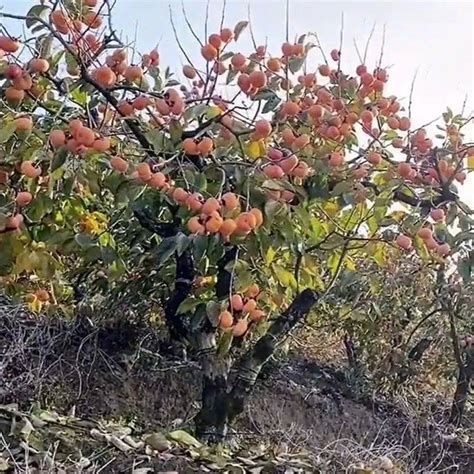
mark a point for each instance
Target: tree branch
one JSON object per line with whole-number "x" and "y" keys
{"x": 250, "y": 365}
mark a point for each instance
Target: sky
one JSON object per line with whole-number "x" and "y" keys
{"x": 432, "y": 39}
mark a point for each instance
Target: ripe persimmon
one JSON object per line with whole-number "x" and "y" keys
{"x": 274, "y": 171}
{"x": 437, "y": 215}
{"x": 28, "y": 169}
{"x": 211, "y": 205}
{"x": 324, "y": 70}
{"x": 190, "y": 147}
{"x": 336, "y": 159}
{"x": 157, "y": 180}
{"x": 238, "y": 61}
{"x": 189, "y": 71}
{"x": 23, "y": 81}
{"x": 133, "y": 73}
{"x": 245, "y": 222}
{"x": 42, "y": 295}
{"x": 274, "y": 64}
{"x": 404, "y": 242}
{"x": 9, "y": 45}
{"x": 23, "y": 198}
{"x": 209, "y": 52}
{"x": 240, "y": 328}
{"x": 425, "y": 233}
{"x": 289, "y": 163}
{"x": 93, "y": 20}
{"x": 227, "y": 228}
{"x": 23, "y": 124}
{"x": 39, "y": 65}
{"x": 101, "y": 144}
{"x": 243, "y": 82}
{"x": 194, "y": 202}
{"x": 104, "y": 76}
{"x": 180, "y": 195}
{"x": 236, "y": 303}
{"x": 256, "y": 315}
{"x": 215, "y": 40}
{"x": 74, "y": 126}
{"x": 231, "y": 201}
{"x": 404, "y": 170}
{"x": 13, "y": 95}
{"x": 225, "y": 320}
{"x": 291, "y": 108}
{"x": 249, "y": 306}
{"x": 258, "y": 79}
{"x": 301, "y": 171}
{"x": 300, "y": 142}
{"x": 119, "y": 164}
{"x": 144, "y": 171}
{"x": 226, "y": 35}
{"x": 141, "y": 102}
{"x": 287, "y": 49}
{"x": 194, "y": 226}
{"x": 57, "y": 138}
{"x": 85, "y": 136}
{"x": 263, "y": 128}
{"x": 288, "y": 136}
{"x": 374, "y": 158}
{"x": 205, "y": 146}
{"x": 163, "y": 108}
{"x": 214, "y": 223}
{"x": 14, "y": 222}
{"x": 252, "y": 291}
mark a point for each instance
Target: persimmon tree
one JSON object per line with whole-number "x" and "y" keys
{"x": 236, "y": 196}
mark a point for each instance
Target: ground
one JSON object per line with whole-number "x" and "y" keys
{"x": 87, "y": 399}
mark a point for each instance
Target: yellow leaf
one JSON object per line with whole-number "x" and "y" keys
{"x": 270, "y": 255}
{"x": 256, "y": 149}
{"x": 470, "y": 162}
{"x": 213, "y": 112}
{"x": 35, "y": 305}
{"x": 331, "y": 208}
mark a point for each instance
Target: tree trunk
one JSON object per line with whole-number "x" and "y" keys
{"x": 223, "y": 401}
{"x": 466, "y": 372}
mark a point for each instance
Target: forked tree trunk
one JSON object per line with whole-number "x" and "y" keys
{"x": 224, "y": 399}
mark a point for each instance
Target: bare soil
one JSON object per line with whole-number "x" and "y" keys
{"x": 123, "y": 372}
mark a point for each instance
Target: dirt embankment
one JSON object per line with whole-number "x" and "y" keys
{"x": 120, "y": 372}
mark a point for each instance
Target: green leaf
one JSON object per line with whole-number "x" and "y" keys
{"x": 176, "y": 131}
{"x": 239, "y": 27}
{"x": 341, "y": 188}
{"x": 195, "y": 111}
{"x": 182, "y": 243}
{"x": 6, "y": 132}
{"x": 285, "y": 277}
{"x": 213, "y": 309}
{"x": 187, "y": 305}
{"x": 59, "y": 159}
{"x": 84, "y": 241}
{"x": 226, "y": 56}
{"x": 296, "y": 63}
{"x": 40, "y": 207}
{"x": 34, "y": 13}
{"x": 465, "y": 270}
{"x": 158, "y": 140}
{"x": 166, "y": 249}
{"x": 231, "y": 75}
{"x": 184, "y": 438}
{"x": 225, "y": 343}
{"x": 271, "y": 104}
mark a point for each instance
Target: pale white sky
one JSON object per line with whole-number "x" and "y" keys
{"x": 435, "y": 38}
